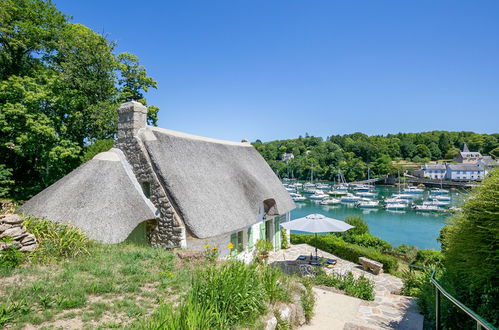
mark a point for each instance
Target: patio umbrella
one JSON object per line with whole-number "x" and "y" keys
{"x": 317, "y": 223}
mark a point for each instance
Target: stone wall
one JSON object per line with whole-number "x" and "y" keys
{"x": 168, "y": 231}
{"x": 11, "y": 227}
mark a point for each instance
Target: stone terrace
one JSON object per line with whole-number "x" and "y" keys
{"x": 389, "y": 310}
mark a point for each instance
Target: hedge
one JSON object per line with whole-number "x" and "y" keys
{"x": 351, "y": 252}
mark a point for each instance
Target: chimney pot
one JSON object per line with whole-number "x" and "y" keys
{"x": 132, "y": 116}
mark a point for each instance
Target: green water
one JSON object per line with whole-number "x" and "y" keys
{"x": 397, "y": 227}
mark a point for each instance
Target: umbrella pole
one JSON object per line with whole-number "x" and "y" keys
{"x": 316, "y": 246}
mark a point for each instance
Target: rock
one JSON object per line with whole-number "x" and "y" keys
{"x": 13, "y": 232}
{"x": 28, "y": 248}
{"x": 190, "y": 254}
{"x": 11, "y": 219}
{"x": 4, "y": 227}
{"x": 6, "y": 245}
{"x": 28, "y": 240}
{"x": 271, "y": 323}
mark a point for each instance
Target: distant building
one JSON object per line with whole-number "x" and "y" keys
{"x": 465, "y": 172}
{"x": 466, "y": 156}
{"x": 434, "y": 171}
{"x": 287, "y": 156}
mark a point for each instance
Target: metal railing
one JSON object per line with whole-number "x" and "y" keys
{"x": 439, "y": 291}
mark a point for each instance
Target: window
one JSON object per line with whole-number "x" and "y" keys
{"x": 237, "y": 240}
{"x": 146, "y": 188}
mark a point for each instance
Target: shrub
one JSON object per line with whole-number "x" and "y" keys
{"x": 10, "y": 258}
{"x": 55, "y": 240}
{"x": 284, "y": 239}
{"x": 307, "y": 299}
{"x": 359, "y": 224}
{"x": 342, "y": 249}
{"x": 368, "y": 240}
{"x": 429, "y": 258}
{"x": 362, "y": 287}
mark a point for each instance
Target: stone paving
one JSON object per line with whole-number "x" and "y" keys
{"x": 389, "y": 310}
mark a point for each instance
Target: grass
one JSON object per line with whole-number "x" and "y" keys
{"x": 120, "y": 279}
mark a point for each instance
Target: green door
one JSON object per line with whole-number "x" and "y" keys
{"x": 277, "y": 233}
{"x": 250, "y": 239}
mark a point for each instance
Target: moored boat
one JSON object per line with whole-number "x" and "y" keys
{"x": 330, "y": 201}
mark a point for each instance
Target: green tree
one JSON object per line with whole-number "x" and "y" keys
{"x": 472, "y": 251}
{"x": 60, "y": 87}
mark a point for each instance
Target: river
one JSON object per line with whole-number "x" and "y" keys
{"x": 397, "y": 227}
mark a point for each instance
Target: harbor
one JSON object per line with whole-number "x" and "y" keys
{"x": 406, "y": 215}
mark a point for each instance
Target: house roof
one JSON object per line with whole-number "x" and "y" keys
{"x": 102, "y": 197}
{"x": 217, "y": 186}
{"x": 465, "y": 167}
{"x": 434, "y": 167}
{"x": 470, "y": 154}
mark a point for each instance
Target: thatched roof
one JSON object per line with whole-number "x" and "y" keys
{"x": 102, "y": 197}
{"x": 217, "y": 186}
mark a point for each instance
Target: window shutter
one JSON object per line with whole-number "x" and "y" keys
{"x": 250, "y": 239}
{"x": 262, "y": 231}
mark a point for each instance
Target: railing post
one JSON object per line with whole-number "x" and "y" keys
{"x": 438, "y": 325}
{"x": 478, "y": 326}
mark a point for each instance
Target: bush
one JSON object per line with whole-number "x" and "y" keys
{"x": 342, "y": 249}
{"x": 284, "y": 239}
{"x": 368, "y": 240}
{"x": 10, "y": 258}
{"x": 429, "y": 258}
{"x": 362, "y": 287}
{"x": 55, "y": 240}
{"x": 307, "y": 299}
{"x": 359, "y": 224}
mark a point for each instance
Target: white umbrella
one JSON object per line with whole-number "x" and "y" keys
{"x": 317, "y": 223}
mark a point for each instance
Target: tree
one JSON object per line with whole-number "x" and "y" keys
{"x": 60, "y": 87}
{"x": 472, "y": 251}
{"x": 435, "y": 151}
{"x": 423, "y": 151}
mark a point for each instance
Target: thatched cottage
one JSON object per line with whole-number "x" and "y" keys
{"x": 169, "y": 189}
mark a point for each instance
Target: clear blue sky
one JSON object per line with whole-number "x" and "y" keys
{"x": 268, "y": 69}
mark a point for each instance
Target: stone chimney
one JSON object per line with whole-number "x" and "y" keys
{"x": 132, "y": 116}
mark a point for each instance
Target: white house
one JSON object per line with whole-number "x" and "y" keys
{"x": 434, "y": 171}
{"x": 465, "y": 172}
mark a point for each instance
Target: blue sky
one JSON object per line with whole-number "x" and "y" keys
{"x": 265, "y": 69}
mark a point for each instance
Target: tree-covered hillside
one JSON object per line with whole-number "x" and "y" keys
{"x": 354, "y": 153}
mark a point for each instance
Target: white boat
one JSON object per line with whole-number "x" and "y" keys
{"x": 403, "y": 196}
{"x": 443, "y": 198}
{"x": 367, "y": 204}
{"x": 436, "y": 202}
{"x": 330, "y": 201}
{"x": 319, "y": 195}
{"x": 426, "y": 208}
{"x": 308, "y": 185}
{"x": 322, "y": 186}
{"x": 366, "y": 194}
{"x": 396, "y": 201}
{"x": 309, "y": 191}
{"x": 396, "y": 206}
{"x": 439, "y": 191}
{"x": 350, "y": 198}
{"x": 413, "y": 190}
{"x": 298, "y": 199}
{"x": 291, "y": 189}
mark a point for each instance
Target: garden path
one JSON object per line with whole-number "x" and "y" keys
{"x": 389, "y": 310}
